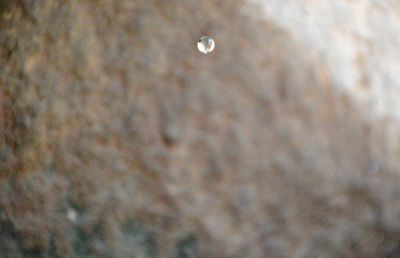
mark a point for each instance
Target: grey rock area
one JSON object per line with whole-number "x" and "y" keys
{"x": 358, "y": 41}
{"x": 119, "y": 139}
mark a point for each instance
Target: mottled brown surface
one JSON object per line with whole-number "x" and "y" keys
{"x": 108, "y": 111}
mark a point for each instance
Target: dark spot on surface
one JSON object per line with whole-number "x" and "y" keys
{"x": 186, "y": 247}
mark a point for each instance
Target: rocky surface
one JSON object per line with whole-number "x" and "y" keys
{"x": 357, "y": 40}
{"x": 119, "y": 139}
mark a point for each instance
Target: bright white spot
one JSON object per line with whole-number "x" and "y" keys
{"x": 72, "y": 215}
{"x": 206, "y": 44}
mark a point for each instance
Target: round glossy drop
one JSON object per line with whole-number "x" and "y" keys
{"x": 206, "y": 44}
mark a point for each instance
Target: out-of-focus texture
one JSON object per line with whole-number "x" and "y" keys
{"x": 358, "y": 40}
{"x": 119, "y": 139}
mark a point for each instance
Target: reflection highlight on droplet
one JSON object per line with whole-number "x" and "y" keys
{"x": 206, "y": 44}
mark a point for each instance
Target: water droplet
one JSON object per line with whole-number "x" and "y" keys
{"x": 206, "y": 44}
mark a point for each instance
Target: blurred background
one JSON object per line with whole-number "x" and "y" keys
{"x": 118, "y": 138}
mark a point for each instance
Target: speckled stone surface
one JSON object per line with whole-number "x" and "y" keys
{"x": 119, "y": 139}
